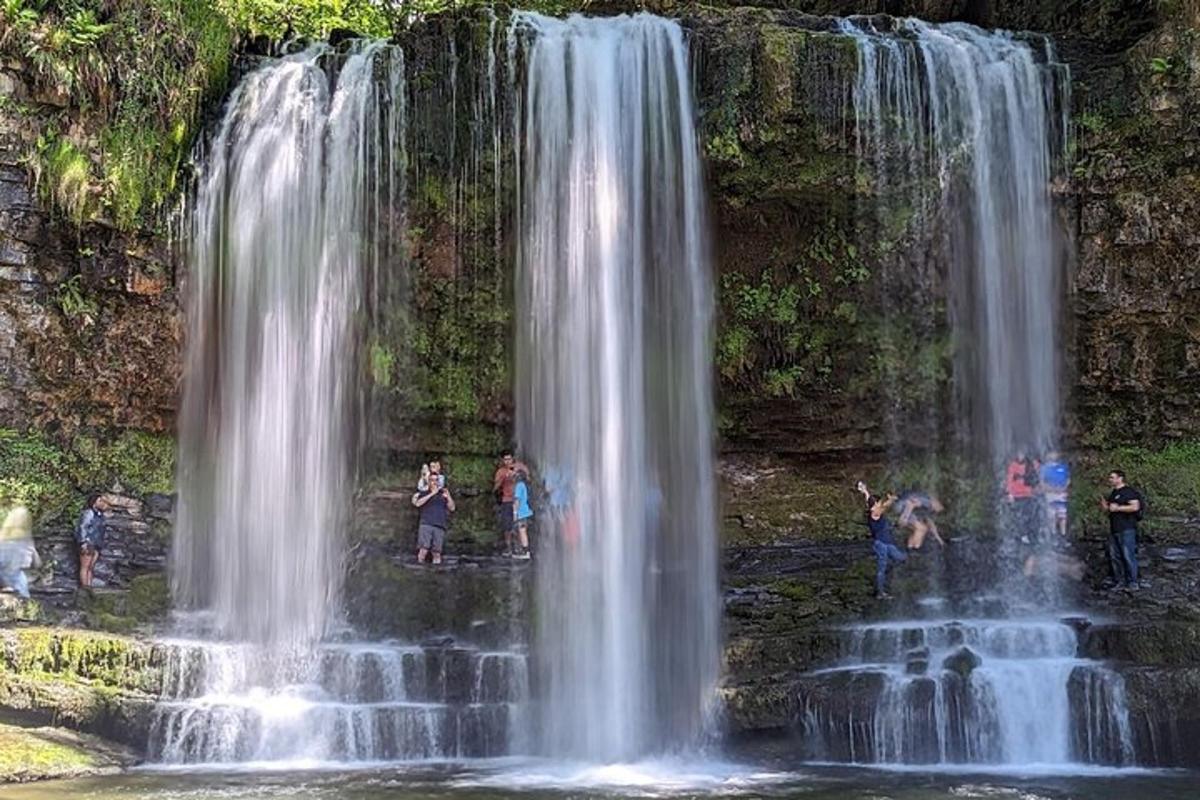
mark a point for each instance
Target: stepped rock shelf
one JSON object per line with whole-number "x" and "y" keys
{"x": 364, "y": 702}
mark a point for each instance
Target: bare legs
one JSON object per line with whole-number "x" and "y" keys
{"x": 87, "y": 563}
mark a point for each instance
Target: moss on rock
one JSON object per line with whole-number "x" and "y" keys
{"x": 34, "y": 754}
{"x": 81, "y": 657}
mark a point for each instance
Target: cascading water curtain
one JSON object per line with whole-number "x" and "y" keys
{"x": 968, "y": 124}
{"x": 281, "y": 250}
{"x": 614, "y": 383}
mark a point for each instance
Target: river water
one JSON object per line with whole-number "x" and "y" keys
{"x": 543, "y": 780}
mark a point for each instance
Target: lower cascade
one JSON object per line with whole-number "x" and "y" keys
{"x": 347, "y": 702}
{"x": 965, "y": 692}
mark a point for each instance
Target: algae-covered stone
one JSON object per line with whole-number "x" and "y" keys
{"x": 85, "y": 657}
{"x": 28, "y": 754}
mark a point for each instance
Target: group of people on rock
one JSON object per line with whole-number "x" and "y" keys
{"x": 1035, "y": 512}
{"x": 19, "y": 555}
{"x": 514, "y": 515}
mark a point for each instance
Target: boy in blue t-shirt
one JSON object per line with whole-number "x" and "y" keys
{"x": 523, "y": 513}
{"x": 1055, "y": 478}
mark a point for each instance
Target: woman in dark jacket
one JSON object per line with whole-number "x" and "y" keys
{"x": 89, "y": 535}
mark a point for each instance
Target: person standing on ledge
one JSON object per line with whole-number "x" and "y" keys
{"x": 1124, "y": 507}
{"x": 504, "y": 486}
{"x": 89, "y": 535}
{"x": 882, "y": 543}
{"x": 436, "y": 504}
{"x": 523, "y": 513}
{"x": 1055, "y": 477}
{"x": 1020, "y": 489}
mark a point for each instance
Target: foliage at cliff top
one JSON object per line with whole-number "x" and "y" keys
{"x": 51, "y": 478}
{"x": 118, "y": 87}
{"x": 127, "y": 80}
{"x": 126, "y": 83}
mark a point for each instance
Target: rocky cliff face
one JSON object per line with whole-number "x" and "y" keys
{"x": 89, "y": 333}
{"x": 89, "y": 320}
{"x": 1137, "y": 170}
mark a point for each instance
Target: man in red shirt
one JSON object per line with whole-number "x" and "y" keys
{"x": 504, "y": 485}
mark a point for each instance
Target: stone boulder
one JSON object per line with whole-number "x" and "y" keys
{"x": 962, "y": 661}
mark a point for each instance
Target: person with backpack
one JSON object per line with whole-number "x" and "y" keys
{"x": 1125, "y": 508}
{"x": 90, "y": 535}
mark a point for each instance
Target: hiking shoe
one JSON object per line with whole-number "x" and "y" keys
{"x": 1133, "y": 587}
{"x": 507, "y": 554}
{"x": 522, "y": 555}
{"x": 882, "y": 596}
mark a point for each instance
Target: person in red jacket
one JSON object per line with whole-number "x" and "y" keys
{"x": 1021, "y": 491}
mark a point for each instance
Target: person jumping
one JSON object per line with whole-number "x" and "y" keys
{"x": 917, "y": 510}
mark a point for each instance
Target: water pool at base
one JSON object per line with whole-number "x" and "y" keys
{"x": 533, "y": 779}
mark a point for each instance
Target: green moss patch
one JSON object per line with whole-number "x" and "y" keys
{"x": 51, "y": 477}
{"x": 83, "y": 657}
{"x": 1168, "y": 477}
{"x": 147, "y": 601}
{"x": 31, "y": 754}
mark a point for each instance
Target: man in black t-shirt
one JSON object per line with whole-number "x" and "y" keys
{"x": 1122, "y": 505}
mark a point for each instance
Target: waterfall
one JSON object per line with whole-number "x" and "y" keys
{"x": 965, "y": 129}
{"x": 292, "y": 228}
{"x": 614, "y": 382}
{"x": 279, "y": 259}
{"x": 343, "y": 702}
{"x": 965, "y": 692}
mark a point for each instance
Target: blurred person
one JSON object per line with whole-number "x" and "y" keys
{"x": 1055, "y": 480}
{"x": 1020, "y": 489}
{"x": 561, "y": 503}
{"x": 917, "y": 510}
{"x": 17, "y": 550}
